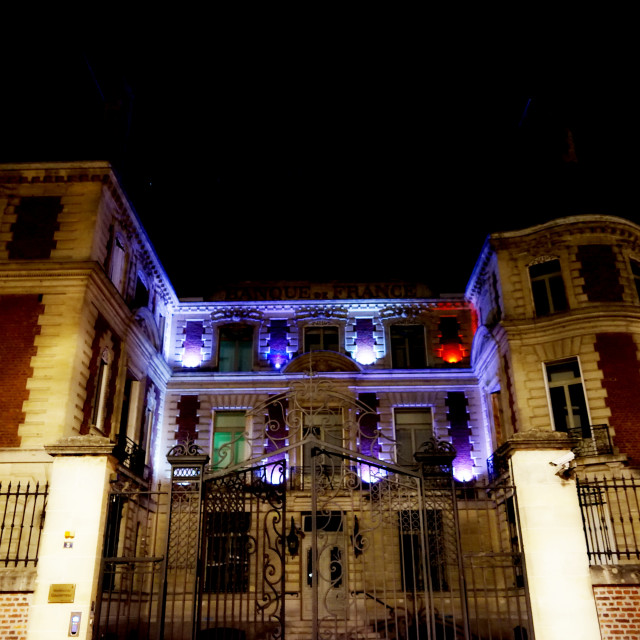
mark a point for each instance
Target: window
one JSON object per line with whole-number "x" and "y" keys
{"x": 321, "y": 338}
{"x": 100, "y": 394}
{"x": 635, "y": 271}
{"x": 600, "y": 272}
{"x": 131, "y": 445}
{"x": 412, "y": 550}
{"x": 547, "y": 287}
{"x": 408, "y": 346}
{"x": 235, "y": 351}
{"x": 141, "y": 297}
{"x": 227, "y": 552}
{"x": 228, "y": 439}
{"x": 34, "y": 229}
{"x": 323, "y": 425}
{"x": 568, "y": 402}
{"x": 413, "y": 428}
{"x": 118, "y": 263}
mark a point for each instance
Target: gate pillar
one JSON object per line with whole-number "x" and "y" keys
{"x": 183, "y": 542}
{"x": 552, "y": 537}
{"x": 71, "y": 545}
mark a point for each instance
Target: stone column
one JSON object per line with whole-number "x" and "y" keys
{"x": 560, "y": 589}
{"x": 72, "y": 537}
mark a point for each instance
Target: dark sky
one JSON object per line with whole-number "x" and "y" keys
{"x": 329, "y": 156}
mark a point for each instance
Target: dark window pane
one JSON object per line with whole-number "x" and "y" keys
{"x": 558, "y": 297}
{"x": 559, "y": 408}
{"x": 540, "y": 297}
{"x": 408, "y": 349}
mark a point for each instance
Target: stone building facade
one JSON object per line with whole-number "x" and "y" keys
{"x": 531, "y": 376}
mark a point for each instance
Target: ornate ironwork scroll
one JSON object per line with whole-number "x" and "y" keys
{"x": 243, "y": 549}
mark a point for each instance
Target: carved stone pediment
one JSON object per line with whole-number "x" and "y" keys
{"x": 321, "y": 361}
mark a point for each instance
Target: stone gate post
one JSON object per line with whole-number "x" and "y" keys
{"x": 72, "y": 537}
{"x": 555, "y": 551}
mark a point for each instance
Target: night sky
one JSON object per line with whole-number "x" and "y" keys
{"x": 332, "y": 156}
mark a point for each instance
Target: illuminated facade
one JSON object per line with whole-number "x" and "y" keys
{"x": 303, "y": 436}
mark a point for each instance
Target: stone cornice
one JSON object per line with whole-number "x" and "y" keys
{"x": 295, "y": 306}
{"x": 570, "y": 226}
{"x": 88, "y": 445}
{"x": 535, "y": 440}
{"x": 603, "y": 317}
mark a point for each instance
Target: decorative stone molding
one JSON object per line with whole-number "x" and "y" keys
{"x": 87, "y": 445}
{"x": 322, "y": 311}
{"x": 321, "y": 361}
{"x": 235, "y": 314}
{"x": 535, "y": 440}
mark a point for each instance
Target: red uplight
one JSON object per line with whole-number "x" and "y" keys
{"x": 451, "y": 352}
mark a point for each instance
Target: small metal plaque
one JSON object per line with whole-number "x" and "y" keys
{"x": 62, "y": 592}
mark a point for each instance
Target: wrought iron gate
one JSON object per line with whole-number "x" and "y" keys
{"x": 320, "y": 524}
{"x": 242, "y": 583}
{"x": 132, "y": 571}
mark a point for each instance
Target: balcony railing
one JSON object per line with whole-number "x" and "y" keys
{"x": 596, "y": 443}
{"x": 497, "y": 466}
{"x": 130, "y": 455}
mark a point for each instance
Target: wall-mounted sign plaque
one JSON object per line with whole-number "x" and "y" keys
{"x": 62, "y": 592}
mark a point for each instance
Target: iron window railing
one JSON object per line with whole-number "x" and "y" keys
{"x": 598, "y": 441}
{"x": 611, "y": 519}
{"x": 22, "y": 513}
{"x": 131, "y": 456}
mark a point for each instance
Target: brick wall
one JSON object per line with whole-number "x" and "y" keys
{"x": 621, "y": 380}
{"x": 14, "y": 611}
{"x": 600, "y": 273}
{"x": 18, "y": 327}
{"x": 618, "y": 609}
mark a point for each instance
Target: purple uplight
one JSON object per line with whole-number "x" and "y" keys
{"x": 463, "y": 472}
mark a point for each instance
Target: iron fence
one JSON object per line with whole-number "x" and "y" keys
{"x": 23, "y": 510}
{"x": 611, "y": 519}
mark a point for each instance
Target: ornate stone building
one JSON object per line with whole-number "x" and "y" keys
{"x": 306, "y": 460}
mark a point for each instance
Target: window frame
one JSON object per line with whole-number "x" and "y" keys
{"x": 549, "y": 280}
{"x": 322, "y": 329}
{"x": 412, "y": 428}
{"x": 103, "y": 374}
{"x": 118, "y": 262}
{"x": 238, "y": 364}
{"x": 237, "y": 443}
{"x": 408, "y": 350}
{"x": 568, "y": 384}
